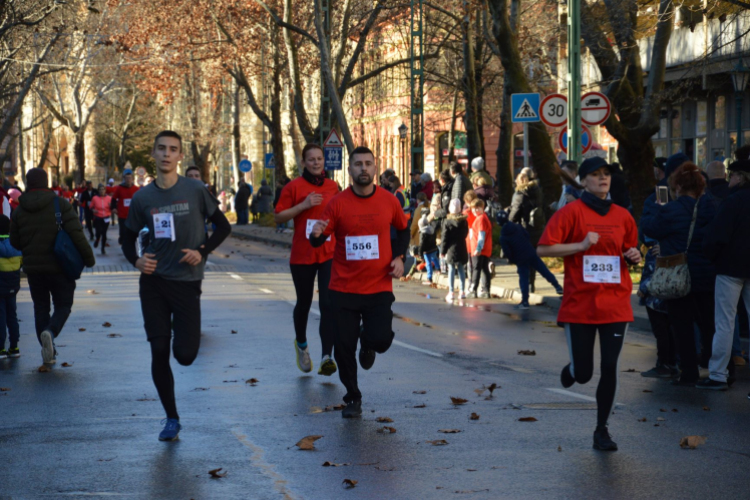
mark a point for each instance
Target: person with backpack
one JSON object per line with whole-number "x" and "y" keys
{"x": 453, "y": 247}
{"x": 527, "y": 209}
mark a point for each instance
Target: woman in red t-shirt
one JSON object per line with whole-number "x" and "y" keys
{"x": 101, "y": 206}
{"x": 304, "y": 200}
{"x": 598, "y": 240}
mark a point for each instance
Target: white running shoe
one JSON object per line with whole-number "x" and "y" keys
{"x": 449, "y": 297}
{"x": 48, "y": 348}
{"x": 463, "y": 295}
{"x": 304, "y": 363}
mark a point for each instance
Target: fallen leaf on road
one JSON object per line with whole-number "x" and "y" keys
{"x": 307, "y": 443}
{"x": 198, "y": 389}
{"x": 92, "y": 292}
{"x": 631, "y": 370}
{"x": 420, "y": 406}
{"x": 662, "y": 410}
{"x": 459, "y": 401}
{"x": 67, "y": 365}
{"x": 527, "y": 352}
{"x": 350, "y": 483}
{"x": 642, "y": 419}
{"x": 385, "y": 469}
{"x": 471, "y": 491}
{"x": 674, "y": 410}
{"x": 559, "y": 448}
{"x": 384, "y": 419}
{"x": 706, "y": 408}
{"x": 145, "y": 398}
{"x": 252, "y": 381}
{"x": 492, "y": 387}
{"x": 419, "y": 392}
{"x": 234, "y": 331}
{"x": 334, "y": 407}
{"x": 4, "y": 389}
{"x": 229, "y": 381}
{"x": 44, "y": 369}
{"x": 449, "y": 431}
{"x": 437, "y": 442}
{"x": 471, "y": 470}
{"x": 217, "y": 474}
{"x": 386, "y": 430}
{"x": 660, "y": 419}
{"x": 314, "y": 409}
{"x": 474, "y": 416}
{"x": 331, "y": 464}
{"x": 647, "y": 390}
{"x": 692, "y": 442}
{"x": 81, "y": 329}
{"x": 114, "y": 335}
{"x": 527, "y": 419}
{"x": 479, "y": 391}
{"x": 106, "y": 324}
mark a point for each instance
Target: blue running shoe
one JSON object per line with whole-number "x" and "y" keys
{"x": 171, "y": 430}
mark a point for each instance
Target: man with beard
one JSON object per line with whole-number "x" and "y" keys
{"x": 365, "y": 260}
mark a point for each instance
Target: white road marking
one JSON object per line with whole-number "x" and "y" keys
{"x": 417, "y": 349}
{"x": 265, "y": 290}
{"x": 576, "y": 395}
{"x": 235, "y": 276}
{"x": 257, "y": 460}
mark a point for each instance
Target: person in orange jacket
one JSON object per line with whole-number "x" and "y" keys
{"x": 101, "y": 206}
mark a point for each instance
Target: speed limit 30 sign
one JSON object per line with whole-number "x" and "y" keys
{"x": 554, "y": 110}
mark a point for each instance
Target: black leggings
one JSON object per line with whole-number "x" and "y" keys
{"x": 581, "y": 339}
{"x": 303, "y": 276}
{"x": 101, "y": 230}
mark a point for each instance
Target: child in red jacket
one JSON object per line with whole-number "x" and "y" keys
{"x": 481, "y": 250}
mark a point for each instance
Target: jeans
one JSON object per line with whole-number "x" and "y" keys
{"x": 452, "y": 269}
{"x": 728, "y": 292}
{"x": 524, "y": 271}
{"x": 61, "y": 290}
{"x": 431, "y": 261}
{"x": 9, "y": 321}
{"x": 242, "y": 216}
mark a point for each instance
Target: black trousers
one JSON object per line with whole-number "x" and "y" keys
{"x": 101, "y": 230}
{"x": 581, "y": 338}
{"x": 47, "y": 290}
{"x": 481, "y": 269}
{"x": 88, "y": 215}
{"x": 666, "y": 347}
{"x": 373, "y": 313}
{"x": 695, "y": 308}
{"x": 169, "y": 305}
{"x": 122, "y": 229}
{"x": 303, "y": 276}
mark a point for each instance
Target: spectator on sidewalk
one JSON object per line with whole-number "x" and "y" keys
{"x": 416, "y": 184}
{"x": 527, "y": 209}
{"x": 414, "y": 228}
{"x": 572, "y": 188}
{"x": 517, "y": 248}
{"x": 428, "y": 245}
{"x": 481, "y": 250}
{"x": 428, "y": 187}
{"x": 727, "y": 245}
{"x": 446, "y": 190}
{"x": 265, "y": 198}
{"x": 453, "y": 250}
{"x": 717, "y": 180}
{"x": 461, "y": 183}
{"x": 242, "y": 202}
{"x": 618, "y": 191}
{"x": 483, "y": 189}
{"x": 478, "y": 171}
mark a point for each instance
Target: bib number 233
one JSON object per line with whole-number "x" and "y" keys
{"x": 362, "y": 248}
{"x": 601, "y": 269}
{"x": 164, "y": 226}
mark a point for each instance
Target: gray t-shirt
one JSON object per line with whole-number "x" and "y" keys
{"x": 189, "y": 203}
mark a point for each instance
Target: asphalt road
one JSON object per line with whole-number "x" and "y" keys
{"x": 90, "y": 430}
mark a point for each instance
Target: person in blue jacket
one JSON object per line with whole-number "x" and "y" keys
{"x": 669, "y": 224}
{"x": 10, "y": 284}
{"x": 516, "y": 244}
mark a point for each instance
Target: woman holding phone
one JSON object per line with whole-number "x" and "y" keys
{"x": 597, "y": 240}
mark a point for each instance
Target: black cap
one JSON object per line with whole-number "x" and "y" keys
{"x": 674, "y": 162}
{"x": 740, "y": 166}
{"x": 501, "y": 217}
{"x": 590, "y": 166}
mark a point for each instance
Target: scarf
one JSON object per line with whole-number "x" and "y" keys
{"x": 596, "y": 204}
{"x": 315, "y": 180}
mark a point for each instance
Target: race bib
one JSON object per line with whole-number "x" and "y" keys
{"x": 164, "y": 226}
{"x": 362, "y": 248}
{"x": 309, "y": 228}
{"x": 126, "y": 202}
{"x": 601, "y": 269}
{"x": 106, "y": 220}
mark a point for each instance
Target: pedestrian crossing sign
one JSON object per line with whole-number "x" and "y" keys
{"x": 524, "y": 108}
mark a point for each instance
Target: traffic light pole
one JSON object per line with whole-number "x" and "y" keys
{"x": 574, "y": 80}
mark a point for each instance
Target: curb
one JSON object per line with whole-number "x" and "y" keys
{"x": 260, "y": 237}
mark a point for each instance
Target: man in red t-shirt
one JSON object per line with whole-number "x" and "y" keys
{"x": 304, "y": 200}
{"x": 365, "y": 261}
{"x": 121, "y": 197}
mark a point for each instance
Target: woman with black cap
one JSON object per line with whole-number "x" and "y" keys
{"x": 598, "y": 240}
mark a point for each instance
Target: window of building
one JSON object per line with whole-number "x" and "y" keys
{"x": 701, "y": 119}
{"x": 676, "y": 123}
{"x": 720, "y": 112}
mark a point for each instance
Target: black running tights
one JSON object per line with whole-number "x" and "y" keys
{"x": 303, "y": 276}
{"x": 581, "y": 338}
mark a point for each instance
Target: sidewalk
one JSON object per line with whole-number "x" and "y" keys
{"x": 504, "y": 284}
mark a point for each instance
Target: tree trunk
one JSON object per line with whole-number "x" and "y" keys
{"x": 236, "y": 134}
{"x": 277, "y": 141}
{"x": 505, "y": 151}
{"x": 200, "y": 158}
{"x": 452, "y": 130}
{"x": 296, "y": 147}
{"x": 79, "y": 155}
{"x": 471, "y": 116}
{"x": 639, "y": 157}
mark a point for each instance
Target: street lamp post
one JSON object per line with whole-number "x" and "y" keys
{"x": 740, "y": 75}
{"x": 402, "y": 130}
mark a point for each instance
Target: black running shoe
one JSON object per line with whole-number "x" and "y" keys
{"x": 353, "y": 410}
{"x": 366, "y": 358}
{"x": 566, "y": 379}
{"x": 603, "y": 441}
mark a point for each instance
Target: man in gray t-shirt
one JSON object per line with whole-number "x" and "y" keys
{"x": 189, "y": 204}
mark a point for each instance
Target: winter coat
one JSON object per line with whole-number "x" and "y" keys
{"x": 524, "y": 201}
{"x": 461, "y": 184}
{"x": 428, "y": 189}
{"x": 446, "y": 194}
{"x": 86, "y": 198}
{"x": 516, "y": 244}
{"x": 719, "y": 188}
{"x": 414, "y": 228}
{"x": 727, "y": 240}
{"x": 242, "y": 197}
{"x": 265, "y": 198}
{"x": 455, "y": 230}
{"x": 485, "y": 193}
{"x": 427, "y": 242}
{"x": 670, "y": 224}
{"x": 33, "y": 231}
{"x": 481, "y": 173}
{"x": 10, "y": 267}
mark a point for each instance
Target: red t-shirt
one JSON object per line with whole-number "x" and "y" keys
{"x": 482, "y": 223}
{"x": 123, "y": 195}
{"x": 363, "y": 224}
{"x": 470, "y": 217}
{"x": 587, "y": 302}
{"x": 295, "y": 193}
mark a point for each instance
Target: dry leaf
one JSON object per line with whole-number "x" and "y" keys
{"x": 647, "y": 390}
{"x": 387, "y": 430}
{"x": 706, "y": 408}
{"x": 384, "y": 420}
{"x": 334, "y": 407}
{"x": 419, "y": 392}
{"x": 527, "y": 419}
{"x": 67, "y": 365}
{"x": 106, "y": 324}
{"x": 4, "y": 389}
{"x": 307, "y": 443}
{"x": 449, "y": 431}
{"x": 114, "y": 335}
{"x": 674, "y": 410}
{"x": 217, "y": 474}
{"x": 479, "y": 391}
{"x": 81, "y": 329}
{"x": 229, "y": 381}
{"x": 437, "y": 442}
{"x": 44, "y": 369}
{"x": 692, "y": 442}
{"x": 198, "y": 389}
{"x": 642, "y": 419}
{"x": 459, "y": 401}
{"x": 631, "y": 370}
{"x": 660, "y": 419}
{"x": 252, "y": 381}
{"x": 145, "y": 398}
{"x": 471, "y": 470}
{"x": 474, "y": 416}
{"x": 350, "y": 483}
{"x": 559, "y": 448}
{"x": 234, "y": 331}
{"x": 92, "y": 292}
{"x": 420, "y": 406}
{"x": 527, "y": 352}
{"x": 492, "y": 387}
{"x": 662, "y": 410}
{"x": 331, "y": 464}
